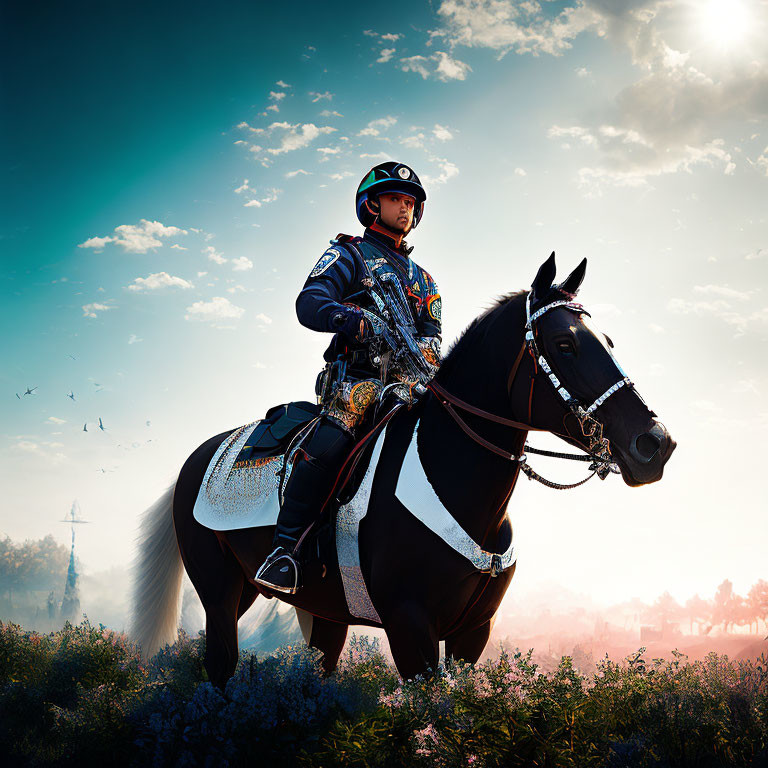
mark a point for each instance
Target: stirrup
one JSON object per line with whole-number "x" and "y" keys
{"x": 279, "y": 571}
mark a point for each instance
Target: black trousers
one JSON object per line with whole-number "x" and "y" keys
{"x": 311, "y": 479}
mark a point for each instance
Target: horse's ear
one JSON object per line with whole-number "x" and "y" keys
{"x": 571, "y": 283}
{"x": 543, "y": 280}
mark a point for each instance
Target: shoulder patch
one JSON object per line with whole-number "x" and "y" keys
{"x": 325, "y": 261}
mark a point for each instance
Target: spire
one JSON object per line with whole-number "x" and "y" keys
{"x": 70, "y": 605}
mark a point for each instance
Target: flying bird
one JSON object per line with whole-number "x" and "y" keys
{"x": 101, "y": 426}
{"x": 17, "y": 395}
{"x": 85, "y": 427}
{"x": 71, "y": 395}
{"x": 72, "y": 356}
{"x": 30, "y": 391}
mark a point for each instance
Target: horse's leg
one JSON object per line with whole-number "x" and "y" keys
{"x": 469, "y": 645}
{"x": 219, "y": 581}
{"x": 413, "y": 640}
{"x": 328, "y": 637}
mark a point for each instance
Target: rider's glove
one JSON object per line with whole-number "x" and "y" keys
{"x": 352, "y": 324}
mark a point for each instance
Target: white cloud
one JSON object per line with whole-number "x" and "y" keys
{"x": 441, "y": 133}
{"x": 386, "y": 55}
{"x": 243, "y": 187}
{"x": 55, "y": 420}
{"x": 276, "y": 96}
{"x": 282, "y": 84}
{"x": 377, "y": 157}
{"x": 214, "y": 255}
{"x": 158, "y": 280}
{"x": 263, "y": 319}
{"x": 327, "y": 95}
{"x": 329, "y": 150}
{"x": 447, "y": 171}
{"x": 520, "y": 172}
{"x": 241, "y": 264}
{"x": 296, "y": 136}
{"x": 330, "y": 113}
{"x": 391, "y": 37}
{"x": 449, "y": 68}
{"x": 298, "y": 172}
{"x": 134, "y": 339}
{"x": 341, "y": 175}
{"x": 582, "y": 72}
{"x": 215, "y": 311}
{"x": 418, "y": 64}
{"x": 413, "y": 142}
{"x": 375, "y": 127}
{"x": 135, "y": 238}
{"x": 90, "y": 310}
{"x": 440, "y": 65}
{"x": 178, "y": 247}
{"x": 97, "y": 243}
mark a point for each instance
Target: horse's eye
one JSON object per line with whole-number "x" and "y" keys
{"x": 566, "y": 347}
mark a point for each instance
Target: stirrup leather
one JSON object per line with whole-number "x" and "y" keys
{"x": 279, "y": 571}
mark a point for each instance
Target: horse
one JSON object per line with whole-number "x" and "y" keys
{"x": 532, "y": 361}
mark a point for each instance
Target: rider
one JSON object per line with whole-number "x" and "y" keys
{"x": 389, "y": 203}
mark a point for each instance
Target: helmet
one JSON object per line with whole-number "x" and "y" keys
{"x": 388, "y": 177}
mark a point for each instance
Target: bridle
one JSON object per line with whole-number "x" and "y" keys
{"x": 599, "y": 452}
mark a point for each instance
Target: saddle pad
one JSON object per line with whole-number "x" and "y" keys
{"x": 238, "y": 495}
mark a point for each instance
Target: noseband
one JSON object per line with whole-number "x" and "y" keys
{"x": 599, "y": 452}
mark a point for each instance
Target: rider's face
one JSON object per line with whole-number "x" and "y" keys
{"x": 396, "y": 211}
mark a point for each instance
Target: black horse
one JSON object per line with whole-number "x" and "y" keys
{"x": 493, "y": 385}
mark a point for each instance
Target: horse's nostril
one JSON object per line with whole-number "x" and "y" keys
{"x": 647, "y": 445}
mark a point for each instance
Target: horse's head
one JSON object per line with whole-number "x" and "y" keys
{"x": 577, "y": 388}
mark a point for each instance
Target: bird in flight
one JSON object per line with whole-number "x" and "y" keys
{"x": 101, "y": 426}
{"x": 30, "y": 391}
{"x": 71, "y": 395}
{"x": 72, "y": 356}
{"x": 85, "y": 427}
{"x": 19, "y": 396}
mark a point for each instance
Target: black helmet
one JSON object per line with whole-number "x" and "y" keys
{"x": 388, "y": 177}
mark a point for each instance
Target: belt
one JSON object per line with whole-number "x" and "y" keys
{"x": 355, "y": 356}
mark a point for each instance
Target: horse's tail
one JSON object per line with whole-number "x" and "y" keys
{"x": 157, "y": 572}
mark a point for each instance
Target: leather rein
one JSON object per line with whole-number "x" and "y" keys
{"x": 599, "y": 454}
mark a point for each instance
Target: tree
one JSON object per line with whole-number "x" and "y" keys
{"x": 697, "y": 609}
{"x": 33, "y": 565}
{"x": 758, "y": 599}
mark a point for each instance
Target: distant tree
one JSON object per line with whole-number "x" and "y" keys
{"x": 666, "y": 609}
{"x": 728, "y": 606}
{"x": 758, "y": 599}
{"x": 697, "y": 609}
{"x": 34, "y": 565}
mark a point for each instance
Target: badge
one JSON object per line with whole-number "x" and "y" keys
{"x": 434, "y": 307}
{"x": 324, "y": 262}
{"x": 404, "y": 173}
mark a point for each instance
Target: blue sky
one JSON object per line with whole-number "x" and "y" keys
{"x": 173, "y": 172}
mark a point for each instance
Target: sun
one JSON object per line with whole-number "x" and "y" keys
{"x": 725, "y": 22}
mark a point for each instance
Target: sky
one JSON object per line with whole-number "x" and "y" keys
{"x": 172, "y": 172}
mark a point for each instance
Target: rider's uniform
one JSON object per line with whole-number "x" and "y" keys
{"x": 342, "y": 276}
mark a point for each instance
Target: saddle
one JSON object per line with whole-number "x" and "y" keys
{"x": 275, "y": 431}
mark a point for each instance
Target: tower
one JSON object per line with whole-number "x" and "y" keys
{"x": 70, "y": 605}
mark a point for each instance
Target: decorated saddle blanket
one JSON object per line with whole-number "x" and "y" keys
{"x": 241, "y": 490}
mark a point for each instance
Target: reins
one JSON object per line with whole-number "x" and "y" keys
{"x": 599, "y": 453}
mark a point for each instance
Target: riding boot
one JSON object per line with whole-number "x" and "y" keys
{"x": 308, "y": 486}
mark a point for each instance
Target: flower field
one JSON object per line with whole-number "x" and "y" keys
{"x": 81, "y": 696}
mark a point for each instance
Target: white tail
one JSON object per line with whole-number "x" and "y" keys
{"x": 157, "y": 572}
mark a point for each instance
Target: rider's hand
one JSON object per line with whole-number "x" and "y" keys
{"x": 352, "y": 324}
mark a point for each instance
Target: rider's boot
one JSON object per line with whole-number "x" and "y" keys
{"x": 308, "y": 486}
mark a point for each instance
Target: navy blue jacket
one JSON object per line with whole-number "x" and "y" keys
{"x": 336, "y": 280}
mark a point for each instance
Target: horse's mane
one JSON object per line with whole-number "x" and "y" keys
{"x": 477, "y": 331}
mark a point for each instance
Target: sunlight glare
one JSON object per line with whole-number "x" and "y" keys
{"x": 725, "y": 21}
